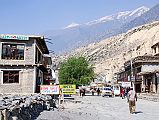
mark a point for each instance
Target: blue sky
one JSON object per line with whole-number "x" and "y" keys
{"x": 38, "y": 16}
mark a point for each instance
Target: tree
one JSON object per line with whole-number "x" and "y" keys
{"x": 76, "y": 71}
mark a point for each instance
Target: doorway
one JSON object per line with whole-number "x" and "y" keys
{"x": 138, "y": 87}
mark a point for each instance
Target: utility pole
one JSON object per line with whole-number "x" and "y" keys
{"x": 132, "y": 76}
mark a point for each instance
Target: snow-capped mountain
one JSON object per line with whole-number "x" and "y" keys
{"x": 149, "y": 16}
{"x": 75, "y": 35}
{"x": 121, "y": 15}
{"x": 71, "y": 25}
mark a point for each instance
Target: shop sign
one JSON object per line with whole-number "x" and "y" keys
{"x": 15, "y": 37}
{"x": 126, "y": 84}
{"x": 133, "y": 78}
{"x": 68, "y": 89}
{"x": 49, "y": 89}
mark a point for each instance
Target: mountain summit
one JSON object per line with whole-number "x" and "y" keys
{"x": 108, "y": 56}
{"x": 121, "y": 15}
{"x": 147, "y": 17}
{"x": 71, "y": 25}
{"x": 75, "y": 35}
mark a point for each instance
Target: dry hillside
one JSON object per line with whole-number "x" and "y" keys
{"x": 109, "y": 55}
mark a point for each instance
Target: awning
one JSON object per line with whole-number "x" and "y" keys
{"x": 150, "y": 72}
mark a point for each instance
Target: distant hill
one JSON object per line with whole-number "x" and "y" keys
{"x": 108, "y": 56}
{"x": 75, "y": 35}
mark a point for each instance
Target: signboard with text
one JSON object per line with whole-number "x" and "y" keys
{"x": 126, "y": 84}
{"x": 68, "y": 89}
{"x": 15, "y": 37}
{"x": 49, "y": 89}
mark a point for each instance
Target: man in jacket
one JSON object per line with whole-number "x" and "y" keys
{"x": 132, "y": 97}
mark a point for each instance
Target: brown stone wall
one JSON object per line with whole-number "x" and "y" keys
{"x": 25, "y": 86}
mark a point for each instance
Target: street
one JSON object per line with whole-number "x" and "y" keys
{"x": 103, "y": 108}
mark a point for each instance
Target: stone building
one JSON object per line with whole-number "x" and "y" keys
{"x": 23, "y": 63}
{"x": 142, "y": 71}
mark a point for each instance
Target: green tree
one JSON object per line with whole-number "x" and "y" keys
{"x": 76, "y": 71}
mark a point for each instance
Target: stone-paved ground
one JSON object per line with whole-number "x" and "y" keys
{"x": 99, "y": 108}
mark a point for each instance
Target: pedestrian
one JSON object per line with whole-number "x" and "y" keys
{"x": 98, "y": 91}
{"x": 92, "y": 92}
{"x": 122, "y": 93}
{"x": 84, "y": 91}
{"x": 132, "y": 97}
{"x": 81, "y": 91}
{"x": 128, "y": 89}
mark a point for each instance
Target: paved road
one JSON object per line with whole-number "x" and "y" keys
{"x": 99, "y": 108}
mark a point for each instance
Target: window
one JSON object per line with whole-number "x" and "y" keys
{"x": 138, "y": 69}
{"x": 155, "y": 50}
{"x": 13, "y": 51}
{"x": 10, "y": 77}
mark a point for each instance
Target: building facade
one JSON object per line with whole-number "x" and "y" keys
{"x": 23, "y": 63}
{"x": 142, "y": 72}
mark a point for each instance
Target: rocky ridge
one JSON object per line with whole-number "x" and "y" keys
{"x": 108, "y": 56}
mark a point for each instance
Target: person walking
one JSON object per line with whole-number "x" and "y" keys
{"x": 122, "y": 93}
{"x": 84, "y": 92}
{"x": 132, "y": 97}
{"x": 92, "y": 91}
{"x": 80, "y": 90}
{"x": 98, "y": 91}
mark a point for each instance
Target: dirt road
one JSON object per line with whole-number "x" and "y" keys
{"x": 99, "y": 108}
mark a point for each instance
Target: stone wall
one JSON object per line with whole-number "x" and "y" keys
{"x": 25, "y": 85}
{"x": 24, "y": 107}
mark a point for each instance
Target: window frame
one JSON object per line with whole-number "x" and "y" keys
{"x": 155, "y": 50}
{"x": 2, "y": 71}
{"x": 2, "y": 80}
{"x": 13, "y": 44}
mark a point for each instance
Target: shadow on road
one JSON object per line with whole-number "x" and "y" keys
{"x": 137, "y": 112}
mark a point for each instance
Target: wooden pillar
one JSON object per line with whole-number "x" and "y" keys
{"x": 157, "y": 49}
{"x": 1, "y": 115}
{"x": 153, "y": 84}
{"x": 143, "y": 83}
{"x": 157, "y": 84}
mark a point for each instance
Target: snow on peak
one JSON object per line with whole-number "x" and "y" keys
{"x": 139, "y": 11}
{"x": 103, "y": 19}
{"x": 121, "y": 15}
{"x": 71, "y": 25}
{"x": 118, "y": 16}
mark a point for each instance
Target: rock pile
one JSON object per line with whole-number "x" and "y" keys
{"x": 26, "y": 107}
